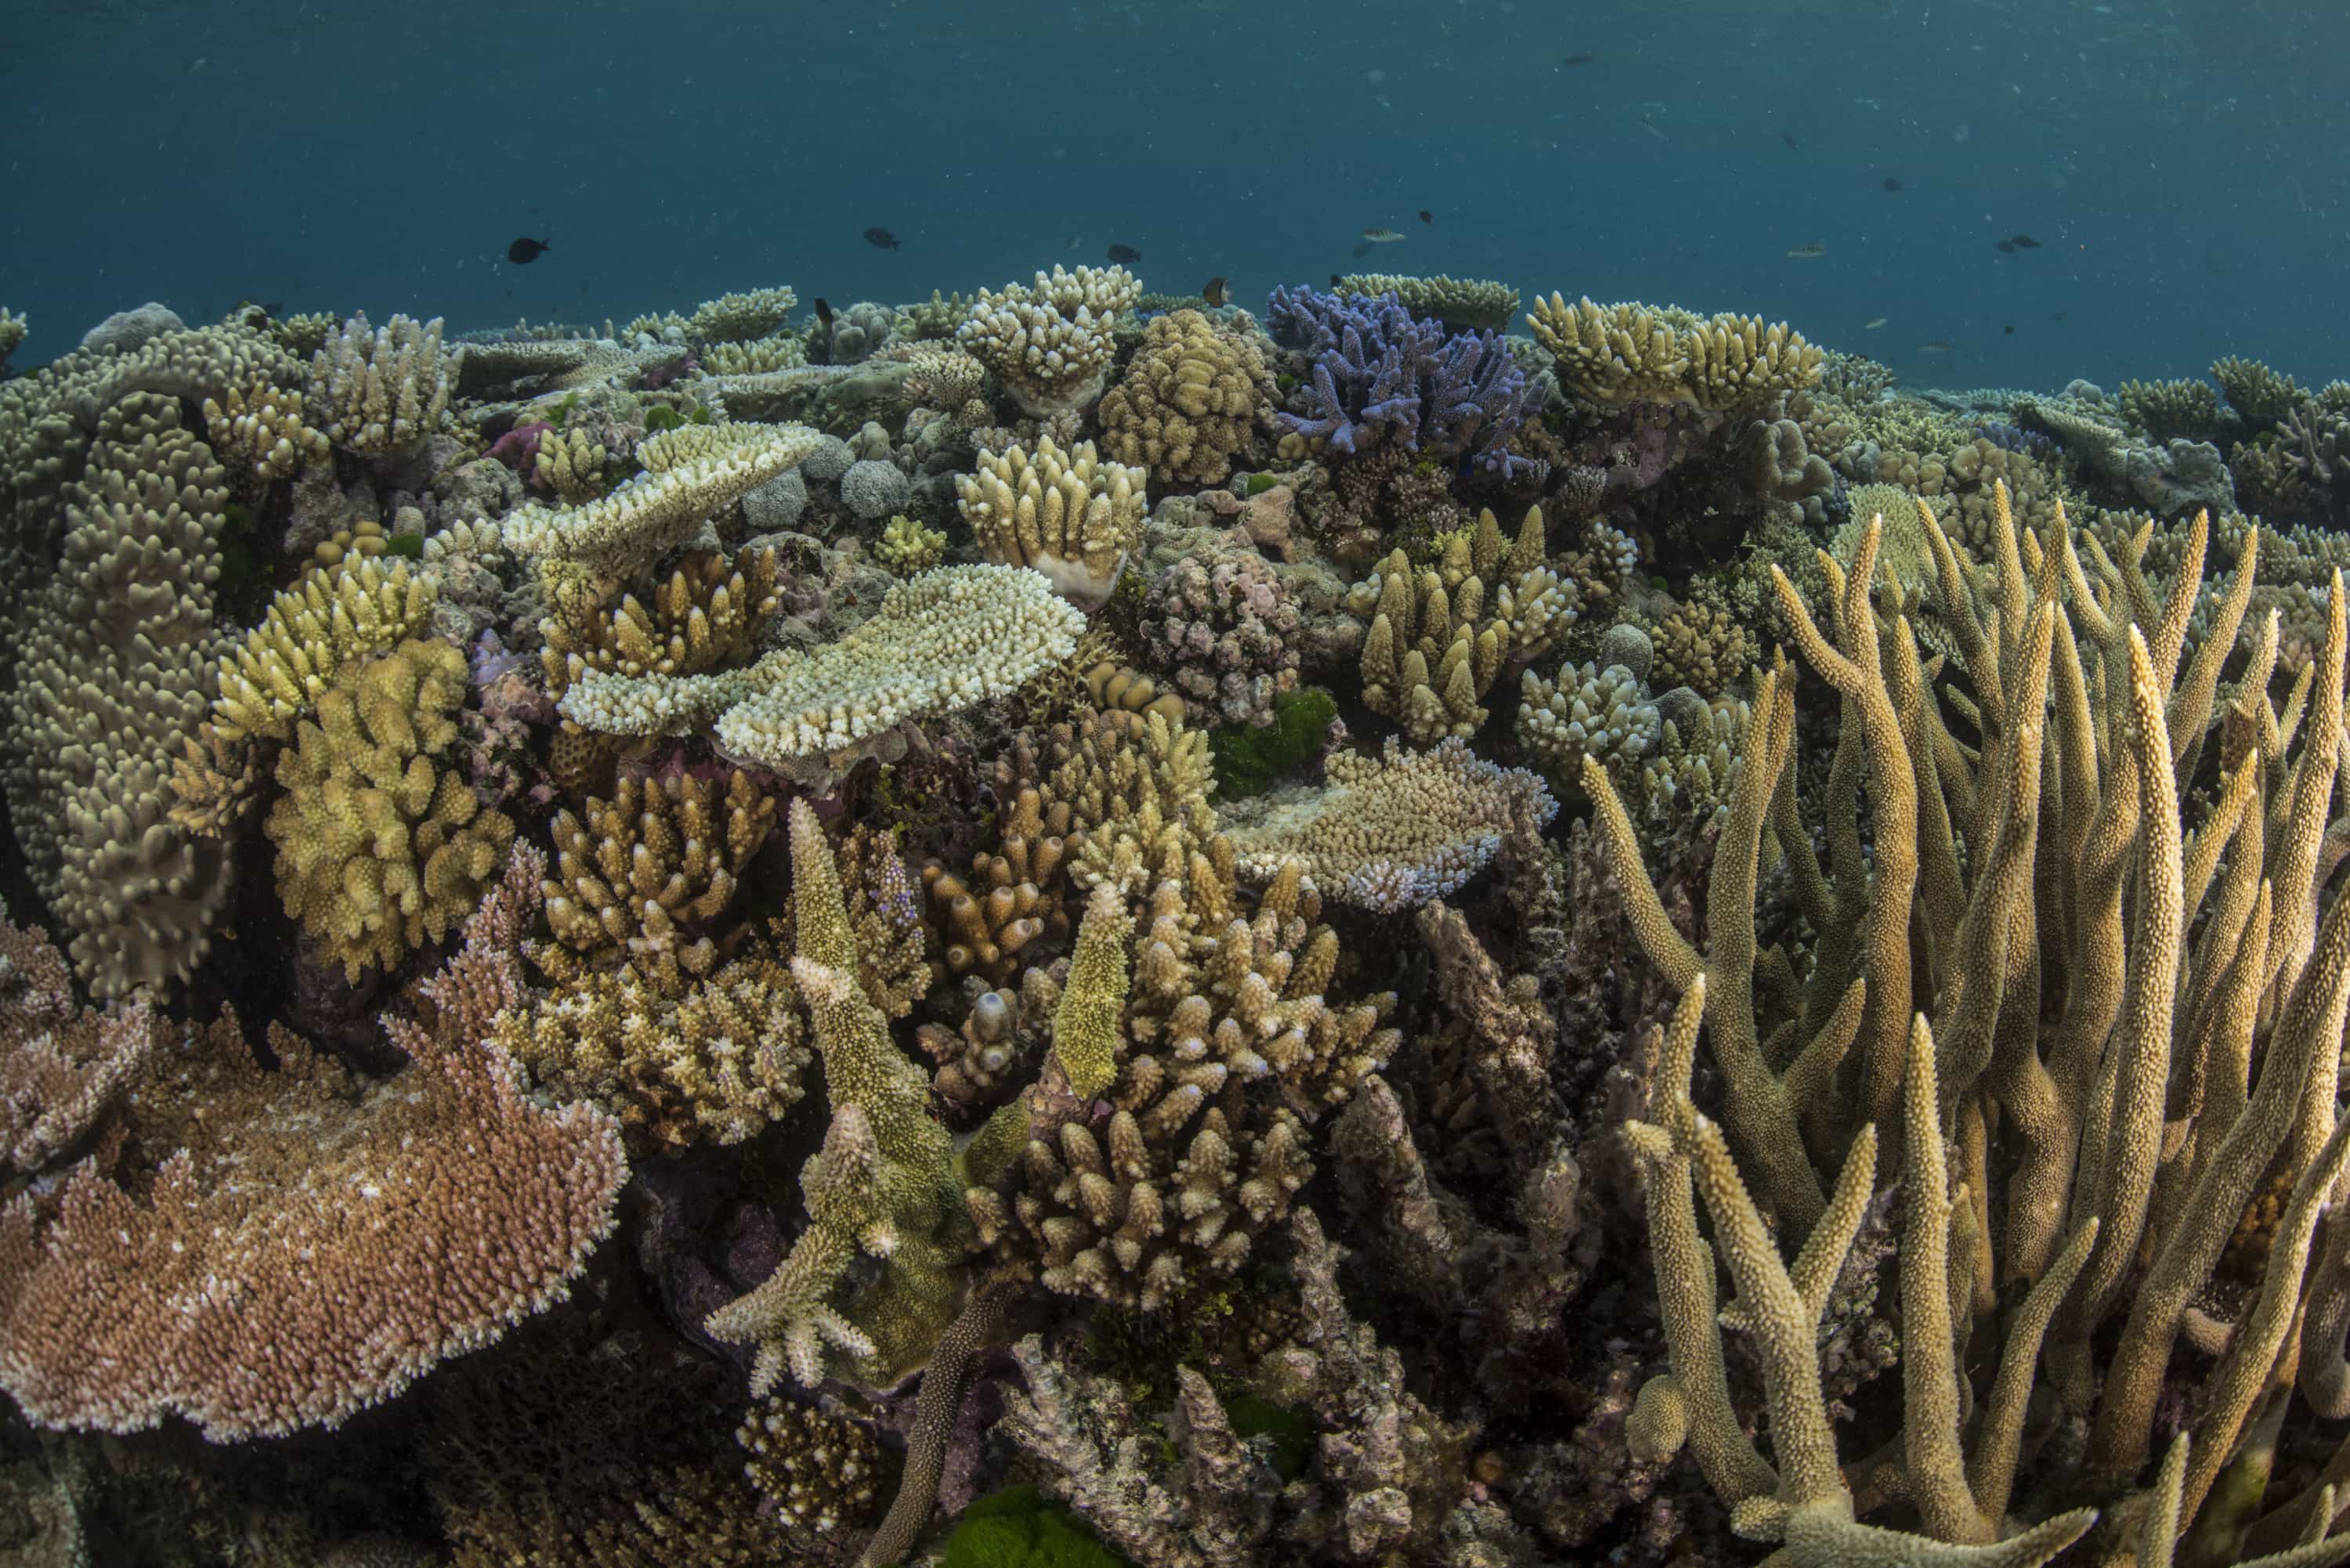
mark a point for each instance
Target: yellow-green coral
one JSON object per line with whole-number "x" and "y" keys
{"x": 571, "y": 464}
{"x": 1050, "y": 342}
{"x": 1699, "y": 645}
{"x": 907, "y": 547}
{"x": 380, "y": 843}
{"x": 706, "y": 613}
{"x": 1188, "y": 402}
{"x": 334, "y": 614}
{"x": 1639, "y": 353}
{"x": 1072, "y": 515}
{"x": 264, "y": 429}
{"x": 688, "y": 482}
{"x": 1086, "y": 1027}
{"x": 1463, "y": 304}
{"x": 740, "y": 318}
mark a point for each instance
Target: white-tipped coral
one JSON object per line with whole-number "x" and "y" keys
{"x": 1587, "y": 712}
{"x": 943, "y": 641}
{"x": 624, "y": 531}
{"x": 1050, "y": 342}
{"x": 1071, "y": 516}
{"x": 1390, "y": 833}
{"x": 380, "y": 392}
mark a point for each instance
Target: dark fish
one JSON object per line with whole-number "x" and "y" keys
{"x": 2008, "y": 246}
{"x": 1124, "y": 254}
{"x": 1426, "y": 217}
{"x": 1790, "y": 141}
{"x": 1215, "y": 293}
{"x": 1362, "y": 250}
{"x": 881, "y": 239}
{"x": 1334, "y": 281}
{"x": 2058, "y": 315}
{"x": 1891, "y": 183}
{"x": 522, "y": 253}
{"x": 823, "y": 313}
{"x": 2025, "y": 243}
{"x": 1578, "y": 59}
{"x": 2008, "y": 330}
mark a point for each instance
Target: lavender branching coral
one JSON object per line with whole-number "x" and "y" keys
{"x": 1380, "y": 376}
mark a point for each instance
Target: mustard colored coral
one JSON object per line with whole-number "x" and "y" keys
{"x": 1639, "y": 353}
{"x": 1071, "y": 516}
{"x": 380, "y": 843}
{"x": 1189, "y": 403}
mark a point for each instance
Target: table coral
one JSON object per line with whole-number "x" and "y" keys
{"x": 381, "y": 843}
{"x": 1637, "y": 353}
{"x": 1463, "y": 304}
{"x": 63, "y": 1067}
{"x": 1389, "y": 832}
{"x": 1189, "y": 403}
{"x": 315, "y": 1243}
{"x": 1070, "y": 515}
{"x": 686, "y": 484}
{"x": 1050, "y": 343}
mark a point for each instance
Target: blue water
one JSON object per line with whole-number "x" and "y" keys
{"x": 2184, "y": 165}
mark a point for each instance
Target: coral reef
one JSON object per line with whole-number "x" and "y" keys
{"x": 1049, "y": 343}
{"x": 1069, "y": 515}
{"x": 1189, "y": 403}
{"x": 1637, "y": 353}
{"x": 1378, "y": 375}
{"x": 1226, "y": 632}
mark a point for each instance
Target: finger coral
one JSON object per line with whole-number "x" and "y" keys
{"x": 1637, "y": 353}
{"x": 380, "y": 392}
{"x": 1050, "y": 342}
{"x": 334, "y": 614}
{"x": 315, "y": 1243}
{"x": 381, "y": 843}
{"x": 1068, "y": 515}
{"x": 1390, "y": 833}
{"x": 1188, "y": 402}
{"x": 909, "y": 549}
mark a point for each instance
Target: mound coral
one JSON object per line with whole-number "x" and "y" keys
{"x": 1188, "y": 402}
{"x": 314, "y": 1244}
{"x": 1228, "y": 633}
{"x": 381, "y": 843}
{"x": 1637, "y": 353}
{"x": 1071, "y": 515}
{"x": 1050, "y": 342}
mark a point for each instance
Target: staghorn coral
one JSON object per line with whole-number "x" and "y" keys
{"x": 2259, "y": 395}
{"x": 1068, "y": 515}
{"x": 315, "y": 1244}
{"x": 1050, "y": 342}
{"x": 687, "y": 482}
{"x": 1226, "y": 630}
{"x": 118, "y": 667}
{"x": 1189, "y": 403}
{"x": 885, "y": 1188}
{"x": 380, "y": 393}
{"x": 2187, "y": 409}
{"x": 1637, "y": 353}
{"x": 63, "y": 1068}
{"x": 909, "y": 549}
{"x": 1138, "y": 795}
{"x": 639, "y": 884}
{"x": 946, "y": 639}
{"x": 1391, "y": 833}
{"x": 1463, "y": 304}
{"x": 381, "y": 843}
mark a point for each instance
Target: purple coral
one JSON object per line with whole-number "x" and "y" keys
{"x": 1226, "y": 632}
{"x": 1379, "y": 373}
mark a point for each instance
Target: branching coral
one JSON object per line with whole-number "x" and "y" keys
{"x": 1380, "y": 377}
{"x": 1188, "y": 402}
{"x": 381, "y": 843}
{"x": 263, "y": 432}
{"x": 1069, "y": 515}
{"x": 1701, "y": 645}
{"x": 334, "y": 614}
{"x": 1639, "y": 353}
{"x": 1227, "y": 630}
{"x": 379, "y": 392}
{"x": 1050, "y": 342}
{"x": 909, "y": 547}
{"x": 314, "y": 1245}
{"x": 1388, "y": 833}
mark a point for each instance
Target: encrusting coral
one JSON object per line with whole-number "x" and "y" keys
{"x": 1069, "y": 515}
{"x": 1190, "y": 401}
{"x": 380, "y": 843}
{"x": 315, "y": 1244}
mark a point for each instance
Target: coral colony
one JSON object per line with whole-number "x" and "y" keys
{"x": 1077, "y": 926}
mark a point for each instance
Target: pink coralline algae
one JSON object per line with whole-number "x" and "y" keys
{"x": 1226, "y": 632}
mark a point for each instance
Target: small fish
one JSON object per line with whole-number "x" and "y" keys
{"x": 1937, "y": 347}
{"x": 1426, "y": 217}
{"x": 1075, "y": 241}
{"x": 1806, "y": 252}
{"x": 1651, "y": 127}
{"x": 2007, "y": 247}
{"x": 1333, "y": 280}
{"x": 2024, "y": 242}
{"x": 881, "y": 239}
{"x": 1361, "y": 249}
{"x": 1215, "y": 292}
{"x": 1378, "y": 236}
{"x": 2058, "y": 315}
{"x": 1124, "y": 254}
{"x": 2008, "y": 330}
{"x": 1788, "y": 137}
{"x": 522, "y": 253}
{"x": 823, "y": 313}
{"x": 1574, "y": 60}
{"x": 1891, "y": 183}
{"x": 1872, "y": 326}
